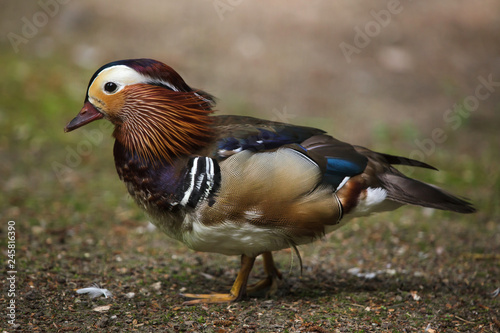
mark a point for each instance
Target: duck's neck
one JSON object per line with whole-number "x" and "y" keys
{"x": 149, "y": 185}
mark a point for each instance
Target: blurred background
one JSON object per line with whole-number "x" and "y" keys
{"x": 383, "y": 74}
{"x": 413, "y": 78}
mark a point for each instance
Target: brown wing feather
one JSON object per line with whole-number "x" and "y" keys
{"x": 403, "y": 189}
{"x": 410, "y": 191}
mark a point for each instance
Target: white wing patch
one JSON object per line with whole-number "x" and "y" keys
{"x": 374, "y": 196}
{"x": 373, "y": 202}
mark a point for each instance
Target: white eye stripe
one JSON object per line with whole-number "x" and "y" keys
{"x": 162, "y": 83}
{"x": 203, "y": 98}
{"x": 119, "y": 74}
{"x": 123, "y": 76}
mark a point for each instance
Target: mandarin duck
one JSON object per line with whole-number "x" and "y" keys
{"x": 238, "y": 185}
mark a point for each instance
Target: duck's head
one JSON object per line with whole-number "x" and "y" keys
{"x": 155, "y": 113}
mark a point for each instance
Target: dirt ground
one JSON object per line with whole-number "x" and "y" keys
{"x": 387, "y": 75}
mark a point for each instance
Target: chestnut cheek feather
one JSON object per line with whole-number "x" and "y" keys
{"x": 159, "y": 124}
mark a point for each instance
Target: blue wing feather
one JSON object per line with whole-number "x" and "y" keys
{"x": 336, "y": 159}
{"x": 337, "y": 169}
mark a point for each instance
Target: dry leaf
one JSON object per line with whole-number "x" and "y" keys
{"x": 102, "y": 308}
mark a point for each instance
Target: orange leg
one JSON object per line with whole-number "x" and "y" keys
{"x": 237, "y": 292}
{"x": 271, "y": 281}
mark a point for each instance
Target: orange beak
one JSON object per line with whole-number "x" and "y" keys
{"x": 86, "y": 115}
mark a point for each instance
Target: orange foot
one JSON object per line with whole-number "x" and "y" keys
{"x": 238, "y": 291}
{"x": 271, "y": 281}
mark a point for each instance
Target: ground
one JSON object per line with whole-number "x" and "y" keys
{"x": 423, "y": 82}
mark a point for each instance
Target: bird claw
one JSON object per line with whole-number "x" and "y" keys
{"x": 271, "y": 282}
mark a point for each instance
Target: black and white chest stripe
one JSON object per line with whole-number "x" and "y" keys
{"x": 201, "y": 182}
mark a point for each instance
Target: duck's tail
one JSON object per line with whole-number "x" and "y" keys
{"x": 403, "y": 189}
{"x": 410, "y": 191}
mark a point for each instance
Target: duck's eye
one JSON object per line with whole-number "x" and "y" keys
{"x": 110, "y": 87}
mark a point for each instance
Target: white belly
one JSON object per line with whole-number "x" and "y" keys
{"x": 232, "y": 238}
